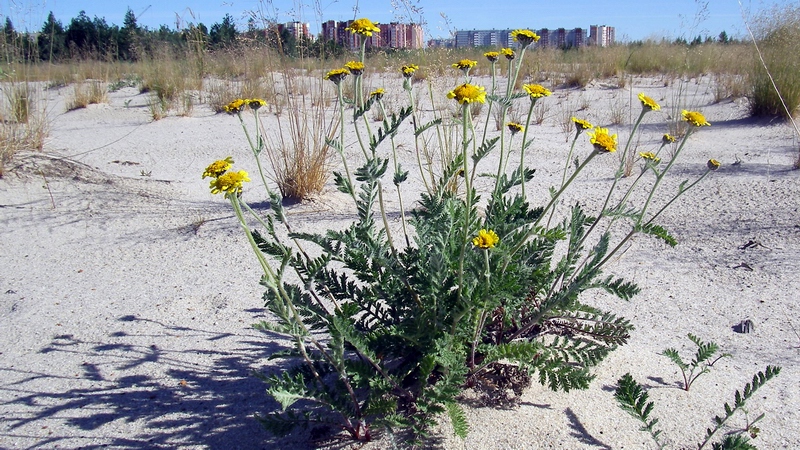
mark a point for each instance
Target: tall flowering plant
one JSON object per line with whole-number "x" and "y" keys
{"x": 388, "y": 327}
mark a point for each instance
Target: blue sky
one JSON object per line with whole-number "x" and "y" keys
{"x": 633, "y": 19}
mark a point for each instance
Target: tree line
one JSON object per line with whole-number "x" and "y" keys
{"x": 94, "y": 38}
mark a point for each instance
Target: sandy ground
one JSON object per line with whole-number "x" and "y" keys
{"x": 127, "y": 290}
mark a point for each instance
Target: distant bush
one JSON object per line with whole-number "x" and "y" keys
{"x": 777, "y": 33}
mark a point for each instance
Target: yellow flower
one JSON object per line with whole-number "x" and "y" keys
{"x": 492, "y": 56}
{"x": 355, "y": 67}
{"x": 524, "y": 37}
{"x": 409, "y": 70}
{"x": 648, "y": 103}
{"x": 514, "y": 127}
{"x": 695, "y": 118}
{"x": 377, "y": 93}
{"x": 468, "y": 93}
{"x": 602, "y": 141}
{"x": 485, "y": 239}
{"x": 508, "y": 53}
{"x": 581, "y": 125}
{"x": 337, "y": 75}
{"x": 650, "y": 156}
{"x": 255, "y": 103}
{"x": 536, "y": 90}
{"x": 230, "y": 183}
{"x": 713, "y": 164}
{"x": 667, "y": 139}
{"x": 465, "y": 64}
{"x": 219, "y": 167}
{"x": 363, "y": 26}
{"x": 235, "y": 106}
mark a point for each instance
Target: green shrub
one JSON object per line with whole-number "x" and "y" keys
{"x": 481, "y": 288}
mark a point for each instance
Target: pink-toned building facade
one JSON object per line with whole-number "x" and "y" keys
{"x": 392, "y": 35}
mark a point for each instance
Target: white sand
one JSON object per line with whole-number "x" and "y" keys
{"x": 126, "y": 300}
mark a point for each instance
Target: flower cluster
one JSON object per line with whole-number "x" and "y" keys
{"x": 485, "y": 239}
{"x": 465, "y": 64}
{"x": 695, "y": 118}
{"x": 337, "y": 75}
{"x": 602, "y": 141}
{"x": 524, "y": 37}
{"x": 224, "y": 181}
{"x": 355, "y": 67}
{"x": 536, "y": 91}
{"x": 468, "y": 93}
{"x": 492, "y": 56}
{"x": 363, "y": 27}
{"x": 219, "y": 167}
{"x": 238, "y": 105}
{"x": 650, "y": 156}
{"x": 377, "y": 93}
{"x": 582, "y": 125}
{"x": 508, "y": 53}
{"x": 514, "y": 127}
{"x": 648, "y": 103}
{"x": 408, "y": 70}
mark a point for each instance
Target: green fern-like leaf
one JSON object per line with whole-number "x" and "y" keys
{"x": 458, "y": 418}
{"x": 759, "y": 379}
{"x": 675, "y": 357}
{"x": 734, "y": 442}
{"x": 633, "y": 399}
{"x": 658, "y": 231}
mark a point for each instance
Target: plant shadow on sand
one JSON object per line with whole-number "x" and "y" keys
{"x": 173, "y": 400}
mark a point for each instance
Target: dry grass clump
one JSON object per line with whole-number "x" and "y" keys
{"x": 297, "y": 147}
{"x": 85, "y": 94}
{"x": 777, "y": 35}
{"x": 23, "y": 121}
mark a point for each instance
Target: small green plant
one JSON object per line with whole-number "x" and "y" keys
{"x": 633, "y": 399}
{"x": 702, "y": 362}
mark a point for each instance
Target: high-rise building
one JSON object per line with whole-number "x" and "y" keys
{"x": 601, "y": 35}
{"x": 391, "y": 35}
{"x": 483, "y": 38}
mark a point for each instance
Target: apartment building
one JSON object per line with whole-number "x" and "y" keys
{"x": 558, "y": 38}
{"x": 392, "y": 35}
{"x": 601, "y": 35}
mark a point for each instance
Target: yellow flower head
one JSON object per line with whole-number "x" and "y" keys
{"x": 536, "y": 90}
{"x": 602, "y": 141}
{"x": 230, "y": 183}
{"x": 377, "y": 93}
{"x": 650, "y": 156}
{"x": 514, "y": 127}
{"x": 524, "y": 37}
{"x": 235, "y": 106}
{"x": 408, "y": 70}
{"x": 581, "y": 124}
{"x": 219, "y": 167}
{"x": 485, "y": 239}
{"x": 713, "y": 164}
{"x": 667, "y": 139}
{"x": 468, "y": 93}
{"x": 648, "y": 103}
{"x": 355, "y": 67}
{"x": 363, "y": 26}
{"x": 508, "y": 53}
{"x": 465, "y": 64}
{"x": 695, "y": 118}
{"x": 337, "y": 75}
{"x": 255, "y": 103}
{"x": 492, "y": 56}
